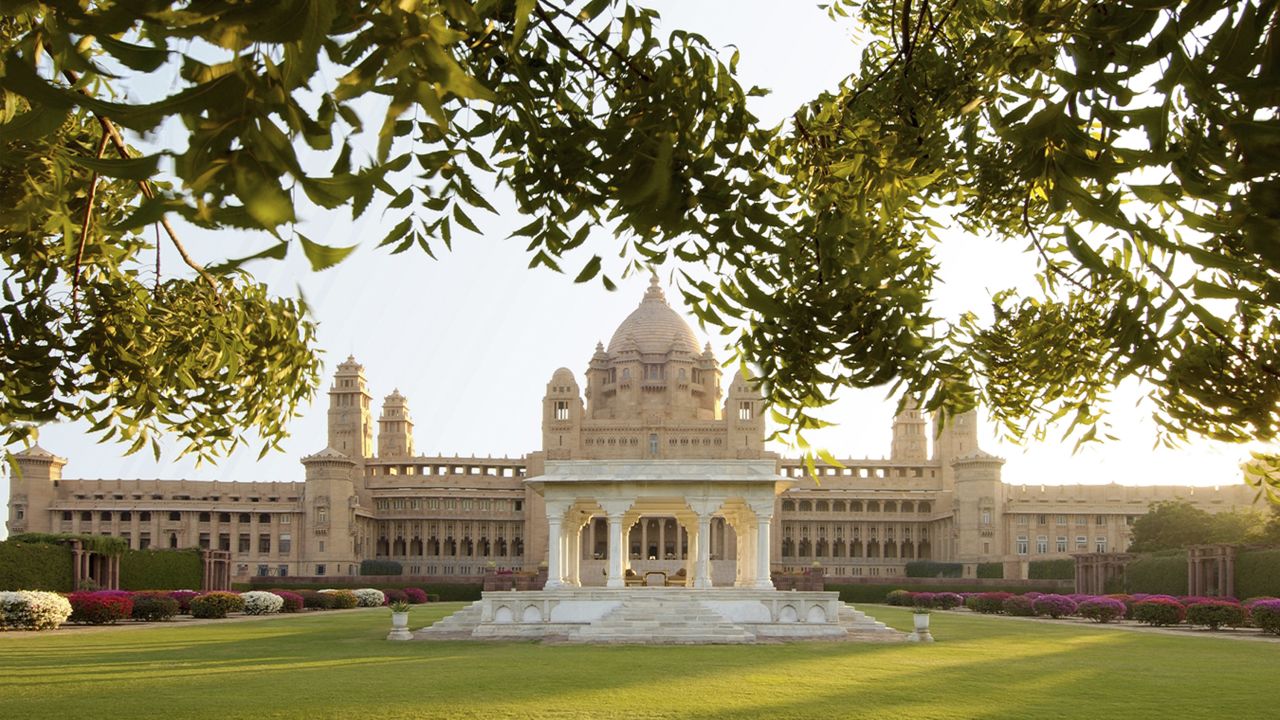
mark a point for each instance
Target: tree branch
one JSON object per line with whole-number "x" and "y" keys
{"x": 84, "y": 224}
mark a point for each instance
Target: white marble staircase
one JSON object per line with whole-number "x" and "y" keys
{"x": 642, "y": 619}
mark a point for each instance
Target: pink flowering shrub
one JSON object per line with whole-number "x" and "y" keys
{"x": 1213, "y": 614}
{"x": 293, "y": 602}
{"x": 1101, "y": 609}
{"x": 391, "y": 595}
{"x": 184, "y": 600}
{"x": 1019, "y": 606}
{"x": 947, "y": 600}
{"x": 415, "y": 596}
{"x": 1159, "y": 611}
{"x": 103, "y": 607}
{"x": 990, "y": 603}
{"x": 1266, "y": 615}
{"x": 1055, "y": 606}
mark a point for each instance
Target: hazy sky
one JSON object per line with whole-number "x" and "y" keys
{"x": 473, "y": 338}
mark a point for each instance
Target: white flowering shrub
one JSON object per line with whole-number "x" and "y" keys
{"x": 257, "y": 602}
{"x": 32, "y": 610}
{"x": 369, "y": 597}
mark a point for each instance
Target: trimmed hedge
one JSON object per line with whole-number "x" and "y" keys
{"x": 161, "y": 570}
{"x": 103, "y": 607}
{"x": 1213, "y": 614}
{"x": 933, "y": 569}
{"x": 875, "y": 593}
{"x": 1258, "y": 573}
{"x": 381, "y": 567}
{"x": 104, "y": 544}
{"x": 460, "y": 592}
{"x": 153, "y": 607}
{"x": 1064, "y": 569}
{"x": 991, "y": 571}
{"x": 1158, "y": 574}
{"x": 1159, "y": 612}
{"x": 35, "y": 566}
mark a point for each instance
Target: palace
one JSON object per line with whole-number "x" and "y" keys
{"x": 653, "y": 399}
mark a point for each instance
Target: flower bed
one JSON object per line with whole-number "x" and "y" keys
{"x": 313, "y": 600}
{"x": 415, "y": 596}
{"x": 184, "y": 600}
{"x": 1019, "y": 606}
{"x": 258, "y": 602}
{"x": 102, "y": 607}
{"x": 990, "y": 603}
{"x": 33, "y": 610}
{"x": 215, "y": 604}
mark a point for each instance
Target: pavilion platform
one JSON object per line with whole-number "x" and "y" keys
{"x": 660, "y": 615}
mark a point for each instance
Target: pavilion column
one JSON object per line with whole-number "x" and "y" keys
{"x": 555, "y": 546}
{"x": 702, "y": 570}
{"x": 662, "y": 539}
{"x": 615, "y": 551}
{"x": 574, "y": 547}
{"x": 644, "y": 539}
{"x": 747, "y": 555}
{"x": 764, "y": 516}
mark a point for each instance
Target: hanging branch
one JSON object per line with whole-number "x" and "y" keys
{"x": 84, "y": 224}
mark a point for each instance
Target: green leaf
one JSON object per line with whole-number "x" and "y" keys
{"x": 590, "y": 270}
{"x": 324, "y": 256}
{"x": 139, "y": 168}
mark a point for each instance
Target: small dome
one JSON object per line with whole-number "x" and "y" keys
{"x": 563, "y": 375}
{"x": 654, "y": 327}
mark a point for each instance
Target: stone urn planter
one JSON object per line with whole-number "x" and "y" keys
{"x": 920, "y": 621}
{"x": 400, "y": 622}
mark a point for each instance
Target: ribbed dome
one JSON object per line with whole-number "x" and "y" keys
{"x": 655, "y": 327}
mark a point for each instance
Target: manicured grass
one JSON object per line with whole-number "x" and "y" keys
{"x": 338, "y": 665}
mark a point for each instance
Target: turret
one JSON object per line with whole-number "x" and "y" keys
{"x": 979, "y": 507}
{"x": 350, "y": 411}
{"x": 36, "y": 473}
{"x": 910, "y": 438}
{"x": 395, "y": 427}
{"x": 561, "y": 416}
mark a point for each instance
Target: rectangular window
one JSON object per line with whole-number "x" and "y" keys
{"x": 1042, "y": 519}
{"x": 1082, "y": 520}
{"x": 1101, "y": 520}
{"x": 1100, "y": 544}
{"x": 242, "y": 544}
{"x": 986, "y": 517}
{"x": 286, "y": 544}
{"x": 746, "y": 410}
{"x": 204, "y": 541}
{"x": 126, "y": 516}
{"x": 320, "y": 569}
{"x": 224, "y": 541}
{"x": 1024, "y": 519}
{"x": 1061, "y": 520}
{"x": 106, "y": 517}
{"x": 144, "y": 516}
{"x": 263, "y": 571}
{"x": 283, "y": 571}
{"x": 1022, "y": 545}
{"x": 1082, "y": 542}
{"x": 66, "y": 515}
{"x": 1042, "y": 544}
{"x": 286, "y": 519}
{"x": 562, "y": 410}
{"x": 653, "y": 444}
{"x": 224, "y": 517}
{"x": 175, "y": 516}
{"x": 264, "y": 544}
{"x": 1062, "y": 543}
{"x": 144, "y": 541}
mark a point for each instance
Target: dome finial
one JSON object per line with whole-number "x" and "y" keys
{"x": 655, "y": 290}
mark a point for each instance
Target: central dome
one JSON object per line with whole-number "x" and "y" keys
{"x": 655, "y": 327}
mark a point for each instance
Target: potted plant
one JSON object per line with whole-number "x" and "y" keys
{"x": 400, "y": 621}
{"x": 920, "y": 621}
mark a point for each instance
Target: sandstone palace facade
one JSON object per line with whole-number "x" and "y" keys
{"x": 652, "y": 393}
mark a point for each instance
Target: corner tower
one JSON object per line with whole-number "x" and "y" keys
{"x": 350, "y": 411}
{"x": 910, "y": 436}
{"x": 395, "y": 427}
{"x": 32, "y": 490}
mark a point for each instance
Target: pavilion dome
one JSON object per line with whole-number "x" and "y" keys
{"x": 654, "y": 327}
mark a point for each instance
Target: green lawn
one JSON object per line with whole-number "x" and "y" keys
{"x": 338, "y": 665}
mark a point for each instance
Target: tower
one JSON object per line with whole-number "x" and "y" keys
{"x": 910, "y": 439}
{"x": 32, "y": 490}
{"x": 954, "y": 437}
{"x": 561, "y": 416}
{"x": 329, "y": 501}
{"x": 979, "y": 507}
{"x": 395, "y": 427}
{"x": 350, "y": 413}
{"x": 744, "y": 418}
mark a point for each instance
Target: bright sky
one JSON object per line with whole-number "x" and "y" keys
{"x": 473, "y": 338}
